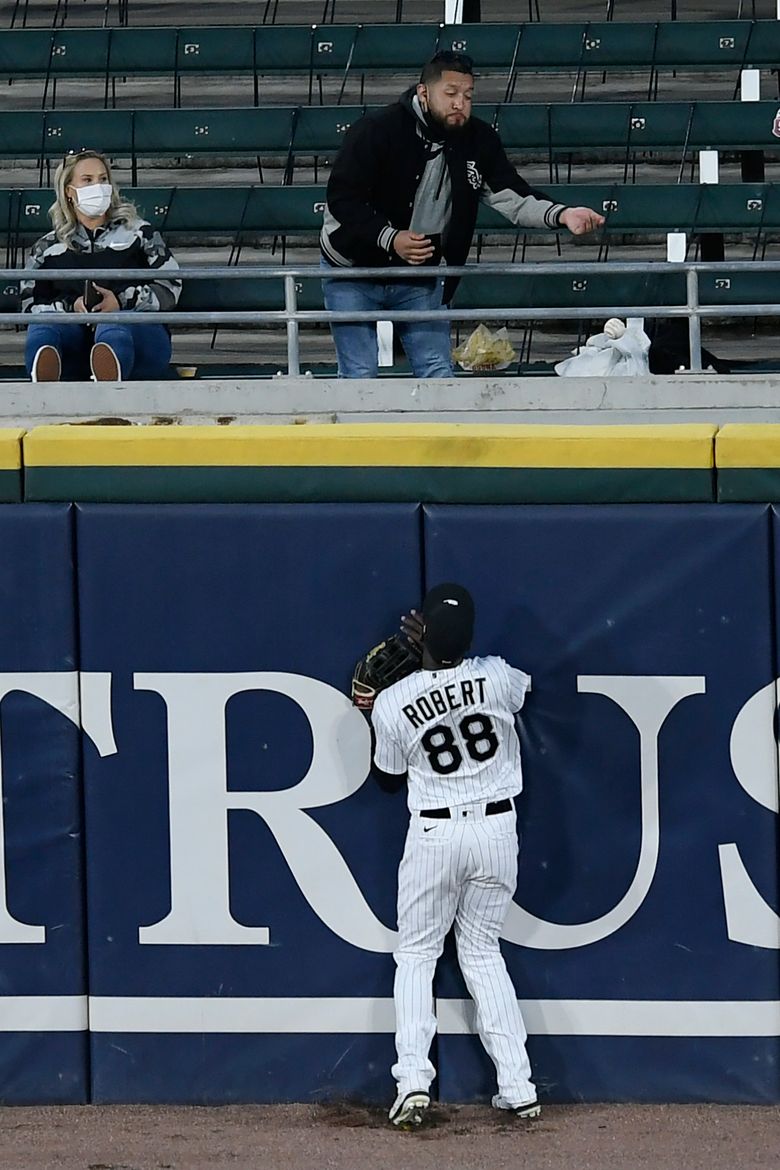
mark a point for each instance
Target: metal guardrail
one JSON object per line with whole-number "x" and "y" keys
{"x": 291, "y": 316}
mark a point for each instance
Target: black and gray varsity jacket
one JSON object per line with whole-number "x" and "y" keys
{"x": 384, "y": 170}
{"x": 115, "y": 245}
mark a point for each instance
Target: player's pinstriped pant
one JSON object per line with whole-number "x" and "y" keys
{"x": 461, "y": 870}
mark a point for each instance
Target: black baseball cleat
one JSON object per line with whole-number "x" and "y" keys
{"x": 409, "y": 1109}
{"x": 527, "y": 1110}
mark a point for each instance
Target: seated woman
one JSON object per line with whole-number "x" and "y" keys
{"x": 95, "y": 228}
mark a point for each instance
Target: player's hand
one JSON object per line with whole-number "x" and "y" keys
{"x": 108, "y": 302}
{"x": 79, "y": 306}
{"x": 581, "y": 220}
{"x": 413, "y": 247}
{"x": 412, "y": 626}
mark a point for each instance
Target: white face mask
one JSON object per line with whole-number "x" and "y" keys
{"x": 94, "y": 199}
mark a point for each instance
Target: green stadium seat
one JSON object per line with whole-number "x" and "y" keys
{"x": 741, "y": 207}
{"x": 610, "y": 289}
{"x": 704, "y": 44}
{"x": 738, "y": 288}
{"x": 31, "y": 216}
{"x": 25, "y": 52}
{"x": 285, "y": 211}
{"x": 251, "y": 131}
{"x": 394, "y": 47}
{"x": 321, "y": 129}
{"x": 9, "y": 297}
{"x": 284, "y": 49}
{"x": 109, "y": 131}
{"x": 247, "y": 293}
{"x": 215, "y": 50}
{"x": 145, "y": 52}
{"x": 524, "y": 127}
{"x": 21, "y": 133}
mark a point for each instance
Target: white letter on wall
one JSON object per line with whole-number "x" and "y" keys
{"x": 755, "y": 762}
{"x": 199, "y": 800}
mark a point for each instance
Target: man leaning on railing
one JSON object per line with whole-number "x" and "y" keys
{"x": 404, "y": 190}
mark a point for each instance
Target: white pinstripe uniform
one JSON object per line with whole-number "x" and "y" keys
{"x": 453, "y": 730}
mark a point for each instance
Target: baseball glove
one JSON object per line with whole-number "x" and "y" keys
{"x": 386, "y": 664}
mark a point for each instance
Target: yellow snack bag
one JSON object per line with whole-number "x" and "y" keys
{"x": 484, "y": 350}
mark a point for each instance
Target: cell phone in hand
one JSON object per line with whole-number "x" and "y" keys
{"x": 435, "y": 238}
{"x": 91, "y": 296}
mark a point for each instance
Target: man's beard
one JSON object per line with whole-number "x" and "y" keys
{"x": 451, "y": 129}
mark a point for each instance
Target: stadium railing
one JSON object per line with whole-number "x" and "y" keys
{"x": 291, "y": 296}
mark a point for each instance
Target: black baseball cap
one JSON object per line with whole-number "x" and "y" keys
{"x": 448, "y": 618}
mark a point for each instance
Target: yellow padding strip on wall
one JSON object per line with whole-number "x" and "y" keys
{"x": 748, "y": 445}
{"x": 10, "y": 448}
{"x": 373, "y": 445}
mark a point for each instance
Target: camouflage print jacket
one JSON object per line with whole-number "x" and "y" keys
{"x": 118, "y": 244}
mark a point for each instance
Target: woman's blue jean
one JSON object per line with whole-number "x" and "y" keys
{"x": 426, "y": 343}
{"x": 144, "y": 351}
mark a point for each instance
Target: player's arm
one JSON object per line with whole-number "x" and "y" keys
{"x": 387, "y": 781}
{"x": 389, "y": 765}
{"x": 519, "y": 684}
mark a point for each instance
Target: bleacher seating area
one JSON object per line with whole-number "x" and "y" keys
{"x": 222, "y": 131}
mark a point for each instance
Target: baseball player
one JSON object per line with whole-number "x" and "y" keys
{"x": 449, "y": 729}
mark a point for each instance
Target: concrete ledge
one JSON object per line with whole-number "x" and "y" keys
{"x": 692, "y": 398}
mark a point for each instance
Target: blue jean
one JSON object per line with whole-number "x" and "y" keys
{"x": 144, "y": 351}
{"x": 426, "y": 343}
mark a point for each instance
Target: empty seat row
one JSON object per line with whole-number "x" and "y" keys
{"x": 297, "y": 210}
{"x": 323, "y": 48}
{"x": 290, "y": 131}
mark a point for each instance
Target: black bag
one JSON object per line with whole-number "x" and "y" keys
{"x": 669, "y": 348}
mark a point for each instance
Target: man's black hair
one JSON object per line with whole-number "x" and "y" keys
{"x": 446, "y": 61}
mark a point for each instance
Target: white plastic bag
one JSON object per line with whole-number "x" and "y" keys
{"x": 618, "y": 352}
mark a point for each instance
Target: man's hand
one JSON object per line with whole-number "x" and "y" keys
{"x": 413, "y": 247}
{"x": 581, "y": 220}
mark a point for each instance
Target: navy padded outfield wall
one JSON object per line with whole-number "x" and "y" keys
{"x": 644, "y": 935}
{"x": 241, "y": 873}
{"x": 43, "y": 1005}
{"x": 235, "y": 910}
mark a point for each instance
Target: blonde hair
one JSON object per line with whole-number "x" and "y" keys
{"x": 61, "y": 212}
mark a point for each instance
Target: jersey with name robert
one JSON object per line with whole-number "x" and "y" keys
{"x": 453, "y": 731}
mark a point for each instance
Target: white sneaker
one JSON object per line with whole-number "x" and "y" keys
{"x": 46, "y": 366}
{"x": 104, "y": 364}
{"x": 525, "y": 1109}
{"x": 409, "y": 1109}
